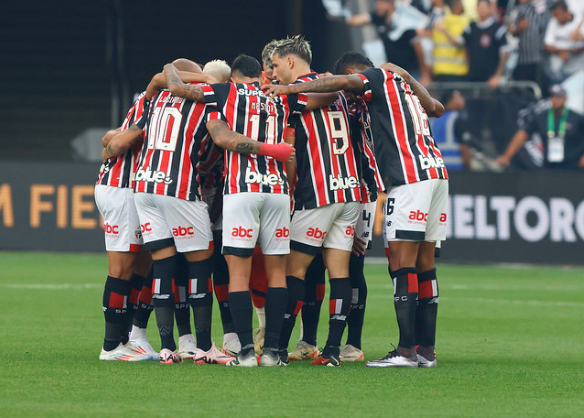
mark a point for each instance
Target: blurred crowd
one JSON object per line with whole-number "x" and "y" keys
{"x": 497, "y": 42}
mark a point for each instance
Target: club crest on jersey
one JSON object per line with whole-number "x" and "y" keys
{"x": 430, "y": 162}
{"x": 105, "y": 168}
{"x": 152, "y": 176}
{"x": 263, "y": 179}
{"x": 344, "y": 183}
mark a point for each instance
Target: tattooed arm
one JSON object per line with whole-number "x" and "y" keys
{"x": 180, "y": 89}
{"x": 322, "y": 85}
{"x": 432, "y": 106}
{"x": 232, "y": 141}
{"x": 122, "y": 142}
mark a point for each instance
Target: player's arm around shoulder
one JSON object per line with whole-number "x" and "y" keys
{"x": 122, "y": 142}
{"x": 178, "y": 88}
{"x": 432, "y": 106}
{"x": 330, "y": 84}
{"x": 223, "y": 136}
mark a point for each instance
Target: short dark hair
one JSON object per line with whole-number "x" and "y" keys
{"x": 246, "y": 66}
{"x": 561, "y": 4}
{"x": 351, "y": 59}
{"x": 295, "y": 45}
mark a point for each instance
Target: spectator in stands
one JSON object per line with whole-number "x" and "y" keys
{"x": 449, "y": 59}
{"x": 529, "y": 20}
{"x": 566, "y": 55}
{"x": 405, "y": 51}
{"x": 449, "y": 132}
{"x": 486, "y": 46}
{"x": 561, "y": 132}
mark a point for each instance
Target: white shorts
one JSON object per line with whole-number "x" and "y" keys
{"x": 250, "y": 218}
{"x": 417, "y": 211}
{"x": 120, "y": 219}
{"x": 166, "y": 221}
{"x": 364, "y": 227}
{"x": 330, "y": 226}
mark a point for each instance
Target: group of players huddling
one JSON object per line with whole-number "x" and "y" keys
{"x": 253, "y": 183}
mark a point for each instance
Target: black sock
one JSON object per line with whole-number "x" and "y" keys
{"x": 405, "y": 295}
{"x": 293, "y": 306}
{"x": 242, "y": 312}
{"x": 201, "y": 298}
{"x": 340, "y": 303}
{"x": 136, "y": 283}
{"x": 182, "y": 307}
{"x": 115, "y": 309}
{"x": 276, "y": 298}
{"x": 358, "y": 301}
{"x": 145, "y": 307}
{"x": 163, "y": 286}
{"x": 315, "y": 289}
{"x": 221, "y": 284}
{"x": 427, "y": 309}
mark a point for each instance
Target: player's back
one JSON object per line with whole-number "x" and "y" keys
{"x": 248, "y": 111}
{"x": 173, "y": 133}
{"x": 327, "y": 169}
{"x": 119, "y": 171}
{"x": 404, "y": 147}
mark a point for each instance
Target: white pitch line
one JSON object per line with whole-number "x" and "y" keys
{"x": 54, "y": 286}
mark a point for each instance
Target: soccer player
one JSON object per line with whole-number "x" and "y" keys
{"x": 256, "y": 202}
{"x": 371, "y": 183}
{"x": 326, "y": 200}
{"x": 128, "y": 264}
{"x": 411, "y": 163}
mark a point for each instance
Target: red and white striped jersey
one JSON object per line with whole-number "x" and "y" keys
{"x": 327, "y": 169}
{"x": 173, "y": 136}
{"x": 371, "y": 182}
{"x": 249, "y": 112}
{"x": 404, "y": 147}
{"x": 211, "y": 164}
{"x": 119, "y": 171}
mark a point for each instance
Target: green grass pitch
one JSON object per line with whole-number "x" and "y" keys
{"x": 510, "y": 344}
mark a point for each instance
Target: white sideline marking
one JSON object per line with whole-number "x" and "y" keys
{"x": 54, "y": 286}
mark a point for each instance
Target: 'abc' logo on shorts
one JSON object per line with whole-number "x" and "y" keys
{"x": 442, "y": 218}
{"x": 316, "y": 233}
{"x": 241, "y": 232}
{"x": 111, "y": 229}
{"x": 350, "y": 231}
{"x": 418, "y": 216}
{"x": 146, "y": 228}
{"x": 282, "y": 232}
{"x": 182, "y": 232}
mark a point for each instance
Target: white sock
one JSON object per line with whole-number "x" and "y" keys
{"x": 229, "y": 337}
{"x": 138, "y": 333}
{"x": 261, "y": 317}
{"x": 186, "y": 338}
